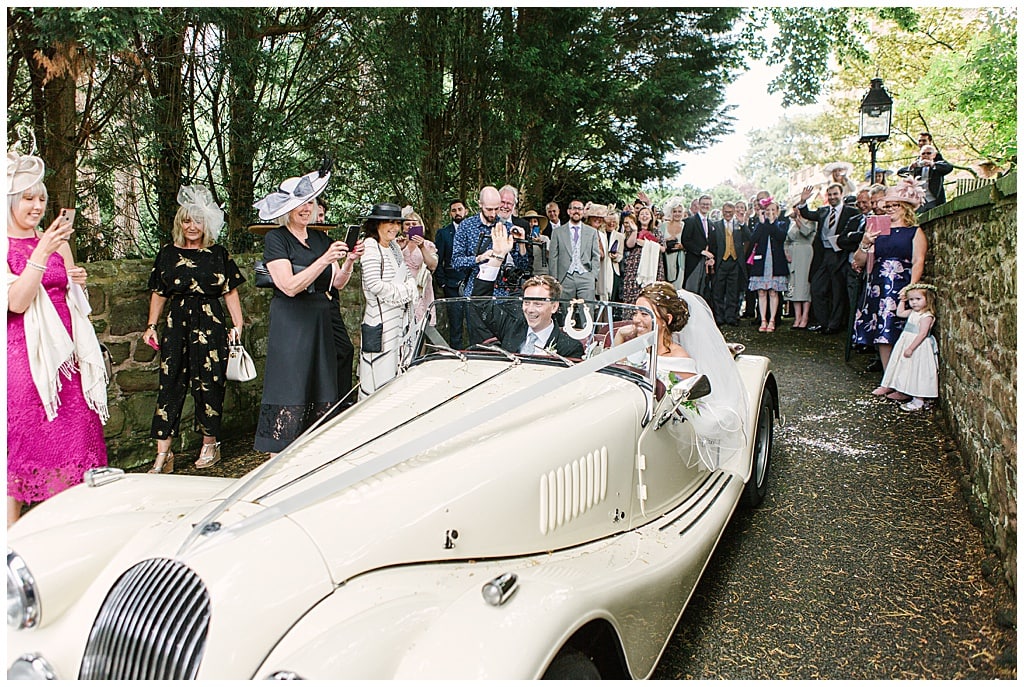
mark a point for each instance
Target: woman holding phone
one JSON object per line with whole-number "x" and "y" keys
{"x": 421, "y": 258}
{"x": 56, "y": 382}
{"x": 300, "y": 384}
{"x": 769, "y": 271}
{"x": 389, "y": 287}
{"x": 895, "y": 259}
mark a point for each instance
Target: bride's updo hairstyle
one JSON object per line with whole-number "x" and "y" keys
{"x": 667, "y": 302}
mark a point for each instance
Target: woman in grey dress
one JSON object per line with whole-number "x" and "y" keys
{"x": 799, "y": 251}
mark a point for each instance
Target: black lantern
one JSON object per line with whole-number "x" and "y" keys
{"x": 875, "y": 114}
{"x": 875, "y": 120}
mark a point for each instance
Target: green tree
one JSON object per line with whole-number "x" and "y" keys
{"x": 969, "y": 93}
{"x": 61, "y": 87}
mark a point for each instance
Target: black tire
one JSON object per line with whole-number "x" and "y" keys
{"x": 570, "y": 664}
{"x": 757, "y": 485}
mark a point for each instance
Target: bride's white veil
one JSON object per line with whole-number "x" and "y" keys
{"x": 726, "y": 405}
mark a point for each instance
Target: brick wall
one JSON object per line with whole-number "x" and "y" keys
{"x": 972, "y": 259}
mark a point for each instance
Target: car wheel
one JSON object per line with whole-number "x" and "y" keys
{"x": 570, "y": 664}
{"x": 757, "y": 485}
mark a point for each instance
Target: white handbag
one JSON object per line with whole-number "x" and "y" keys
{"x": 240, "y": 365}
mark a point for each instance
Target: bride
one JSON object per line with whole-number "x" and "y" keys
{"x": 689, "y": 343}
{"x": 672, "y": 314}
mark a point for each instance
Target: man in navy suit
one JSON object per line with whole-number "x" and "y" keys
{"x": 531, "y": 331}
{"x": 449, "y": 277}
{"x": 694, "y": 238}
{"x": 828, "y": 282}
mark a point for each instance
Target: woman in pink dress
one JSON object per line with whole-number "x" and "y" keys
{"x": 418, "y": 251}
{"x": 56, "y": 384}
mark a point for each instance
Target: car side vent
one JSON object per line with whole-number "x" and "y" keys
{"x": 151, "y": 626}
{"x": 571, "y": 490}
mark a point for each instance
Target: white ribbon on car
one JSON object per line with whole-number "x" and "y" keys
{"x": 440, "y": 434}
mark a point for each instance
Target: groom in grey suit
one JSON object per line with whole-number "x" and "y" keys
{"x": 576, "y": 255}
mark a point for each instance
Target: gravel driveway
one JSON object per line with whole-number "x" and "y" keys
{"x": 862, "y": 563}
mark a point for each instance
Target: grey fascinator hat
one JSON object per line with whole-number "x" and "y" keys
{"x": 293, "y": 192}
{"x": 199, "y": 202}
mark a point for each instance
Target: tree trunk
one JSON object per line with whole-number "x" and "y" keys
{"x": 241, "y": 46}
{"x": 58, "y": 145}
{"x": 433, "y": 46}
{"x": 166, "y": 89}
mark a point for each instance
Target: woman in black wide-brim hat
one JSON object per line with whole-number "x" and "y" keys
{"x": 300, "y": 384}
{"x": 390, "y": 291}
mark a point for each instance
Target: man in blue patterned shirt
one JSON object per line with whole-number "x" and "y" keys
{"x": 468, "y": 239}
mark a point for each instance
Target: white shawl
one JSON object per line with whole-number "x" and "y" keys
{"x": 650, "y": 255}
{"x": 52, "y": 353}
{"x": 609, "y": 268}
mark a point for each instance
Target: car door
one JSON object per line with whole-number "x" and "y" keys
{"x": 667, "y": 465}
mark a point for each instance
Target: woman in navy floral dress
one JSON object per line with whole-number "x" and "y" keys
{"x": 897, "y": 260}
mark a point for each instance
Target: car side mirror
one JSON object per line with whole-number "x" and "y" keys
{"x": 685, "y": 391}
{"x": 691, "y": 389}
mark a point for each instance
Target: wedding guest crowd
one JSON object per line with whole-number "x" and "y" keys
{"x": 846, "y": 260}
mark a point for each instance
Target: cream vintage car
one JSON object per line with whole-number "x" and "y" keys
{"x": 485, "y": 515}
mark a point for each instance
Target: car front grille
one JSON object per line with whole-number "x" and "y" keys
{"x": 151, "y": 626}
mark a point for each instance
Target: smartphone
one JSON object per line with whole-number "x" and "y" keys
{"x": 67, "y": 216}
{"x": 615, "y": 247}
{"x": 154, "y": 345}
{"x": 353, "y": 236}
{"x": 535, "y": 231}
{"x": 880, "y": 223}
{"x": 415, "y": 231}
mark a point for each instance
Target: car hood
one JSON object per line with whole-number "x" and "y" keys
{"x": 455, "y": 460}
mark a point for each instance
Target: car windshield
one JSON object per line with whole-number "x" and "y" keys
{"x": 535, "y": 330}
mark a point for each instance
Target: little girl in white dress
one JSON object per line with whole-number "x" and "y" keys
{"x": 914, "y": 364}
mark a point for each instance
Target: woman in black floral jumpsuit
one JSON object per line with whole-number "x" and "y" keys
{"x": 190, "y": 276}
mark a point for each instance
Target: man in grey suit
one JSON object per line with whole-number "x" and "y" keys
{"x": 576, "y": 255}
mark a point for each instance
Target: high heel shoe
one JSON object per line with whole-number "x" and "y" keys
{"x": 771, "y": 327}
{"x": 209, "y": 455}
{"x": 763, "y": 327}
{"x": 164, "y": 463}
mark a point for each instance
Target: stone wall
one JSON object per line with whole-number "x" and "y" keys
{"x": 119, "y": 297}
{"x": 972, "y": 259}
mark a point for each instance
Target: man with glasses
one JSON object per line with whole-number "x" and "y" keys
{"x": 925, "y": 139}
{"x": 576, "y": 255}
{"x": 532, "y": 331}
{"x": 508, "y": 207}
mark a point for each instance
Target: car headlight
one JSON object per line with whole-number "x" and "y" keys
{"x": 22, "y": 599}
{"x": 31, "y": 667}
